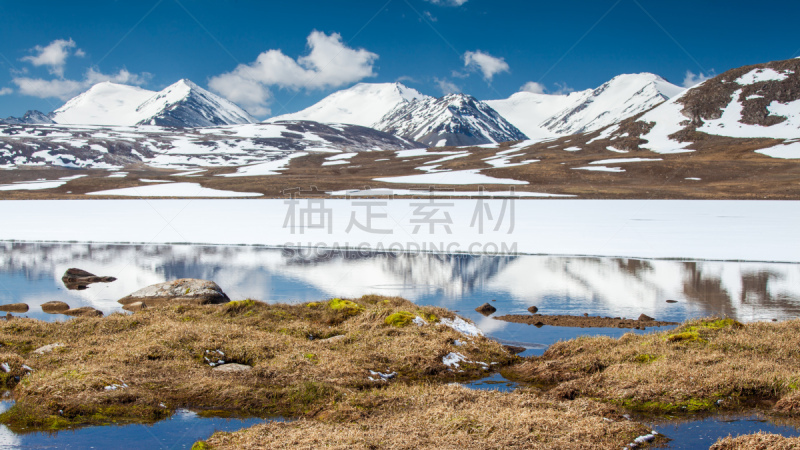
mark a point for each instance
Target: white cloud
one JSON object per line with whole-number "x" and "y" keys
{"x": 447, "y": 86}
{"x": 328, "y": 64}
{"x": 487, "y": 64}
{"x": 65, "y": 89}
{"x": 534, "y": 87}
{"x": 54, "y": 55}
{"x": 692, "y": 79}
{"x": 429, "y": 16}
{"x": 563, "y": 89}
{"x": 448, "y": 2}
{"x": 6, "y": 91}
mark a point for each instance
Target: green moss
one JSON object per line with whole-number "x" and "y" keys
{"x": 645, "y": 358}
{"x": 686, "y": 336}
{"x": 338, "y": 304}
{"x": 400, "y": 319}
{"x": 689, "y": 406}
{"x": 432, "y": 318}
{"x": 239, "y": 306}
{"x": 201, "y": 445}
{"x": 311, "y": 357}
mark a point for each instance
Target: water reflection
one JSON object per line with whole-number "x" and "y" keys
{"x": 31, "y": 273}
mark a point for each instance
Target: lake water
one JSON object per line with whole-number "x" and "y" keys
{"x": 605, "y": 286}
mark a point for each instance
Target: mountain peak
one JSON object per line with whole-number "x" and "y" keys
{"x": 361, "y": 104}
{"x": 455, "y": 119}
{"x": 182, "y": 104}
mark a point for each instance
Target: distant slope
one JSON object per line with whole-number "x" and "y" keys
{"x": 183, "y": 104}
{"x": 363, "y": 104}
{"x": 30, "y": 117}
{"x": 454, "y": 119}
{"x": 78, "y": 146}
{"x": 543, "y": 115}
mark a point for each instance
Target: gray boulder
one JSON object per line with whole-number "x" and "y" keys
{"x": 183, "y": 291}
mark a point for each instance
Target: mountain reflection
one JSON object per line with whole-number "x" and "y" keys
{"x": 557, "y": 284}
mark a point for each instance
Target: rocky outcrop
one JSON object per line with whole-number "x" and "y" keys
{"x": 54, "y": 307}
{"x": 77, "y": 279}
{"x": 86, "y": 311}
{"x": 486, "y": 309}
{"x": 183, "y": 291}
{"x": 15, "y": 307}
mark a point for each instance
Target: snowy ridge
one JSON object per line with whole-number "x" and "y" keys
{"x": 31, "y": 117}
{"x": 545, "y": 115}
{"x": 183, "y": 104}
{"x": 83, "y": 146}
{"x": 454, "y": 119}
{"x": 761, "y": 101}
{"x": 362, "y": 104}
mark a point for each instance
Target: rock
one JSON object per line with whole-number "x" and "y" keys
{"x": 514, "y": 349}
{"x": 332, "y": 339}
{"x": 533, "y": 310}
{"x": 645, "y": 318}
{"x": 15, "y": 307}
{"x": 86, "y": 311}
{"x": 54, "y": 307}
{"x": 486, "y": 309}
{"x": 232, "y": 368}
{"x": 184, "y": 291}
{"x": 77, "y": 279}
{"x": 47, "y": 348}
{"x": 672, "y": 301}
{"x": 135, "y": 306}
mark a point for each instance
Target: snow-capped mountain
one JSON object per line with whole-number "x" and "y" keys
{"x": 454, "y": 119}
{"x": 544, "y": 115}
{"x": 183, "y": 104}
{"x": 750, "y": 102}
{"x": 31, "y": 117}
{"x": 363, "y": 104}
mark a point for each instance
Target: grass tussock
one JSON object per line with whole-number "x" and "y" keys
{"x": 757, "y": 441}
{"x": 444, "y": 417}
{"x": 700, "y": 366}
{"x": 142, "y": 366}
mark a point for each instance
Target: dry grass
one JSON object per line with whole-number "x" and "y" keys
{"x": 159, "y": 354}
{"x": 757, "y": 441}
{"x": 444, "y": 417}
{"x": 702, "y": 365}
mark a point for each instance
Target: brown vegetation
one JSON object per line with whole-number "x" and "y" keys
{"x": 139, "y": 367}
{"x": 757, "y": 441}
{"x": 444, "y": 417}
{"x": 701, "y": 365}
{"x": 583, "y": 321}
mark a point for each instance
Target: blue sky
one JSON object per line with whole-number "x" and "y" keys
{"x": 278, "y": 57}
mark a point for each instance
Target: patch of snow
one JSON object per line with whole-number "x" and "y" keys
{"x": 759, "y": 75}
{"x": 616, "y": 150}
{"x": 335, "y": 163}
{"x": 452, "y": 359}
{"x": 267, "y": 168}
{"x": 381, "y": 376}
{"x": 783, "y": 151}
{"x": 455, "y": 177}
{"x": 118, "y": 175}
{"x": 573, "y": 149}
{"x": 174, "y": 190}
{"x": 624, "y": 160}
{"x": 32, "y": 185}
{"x": 667, "y": 119}
{"x": 189, "y": 173}
{"x": 145, "y": 180}
{"x": 419, "y": 321}
{"x": 441, "y": 193}
{"x": 462, "y": 326}
{"x": 693, "y": 178}
{"x": 600, "y": 168}
{"x": 729, "y": 123}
